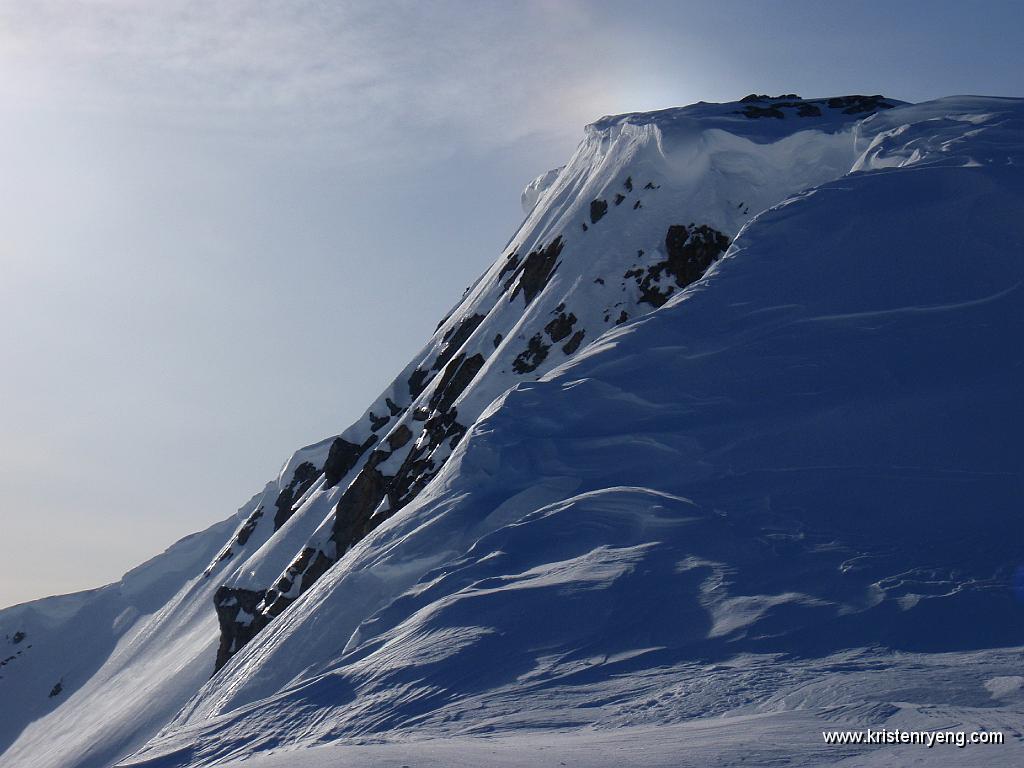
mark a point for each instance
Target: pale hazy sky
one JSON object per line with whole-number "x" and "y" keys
{"x": 225, "y": 226}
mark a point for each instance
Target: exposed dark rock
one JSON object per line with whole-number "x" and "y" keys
{"x": 753, "y": 112}
{"x": 308, "y": 561}
{"x": 584, "y": 225}
{"x": 392, "y": 407}
{"x": 399, "y": 437}
{"x": 419, "y": 467}
{"x": 619, "y": 198}
{"x": 342, "y": 456}
{"x": 249, "y": 526}
{"x": 628, "y": 183}
{"x": 421, "y": 413}
{"x": 574, "y": 343}
{"x": 803, "y": 108}
{"x": 456, "y": 377}
{"x": 637, "y": 205}
{"x": 857, "y": 104}
{"x": 226, "y": 554}
{"x": 806, "y": 109}
{"x": 690, "y": 253}
{"x": 623, "y": 317}
{"x": 417, "y": 383}
{"x": 18, "y": 637}
{"x": 56, "y": 690}
{"x": 763, "y": 97}
{"x": 497, "y": 340}
{"x": 236, "y": 614}
{"x": 775, "y": 105}
{"x": 455, "y": 338}
{"x": 354, "y": 509}
{"x": 598, "y": 208}
{"x": 535, "y": 353}
{"x": 561, "y": 326}
{"x": 652, "y": 185}
{"x": 376, "y": 422}
{"x": 511, "y": 262}
{"x": 302, "y": 478}
{"x": 599, "y": 280}
{"x": 536, "y": 270}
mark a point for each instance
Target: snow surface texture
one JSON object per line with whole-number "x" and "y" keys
{"x": 787, "y": 500}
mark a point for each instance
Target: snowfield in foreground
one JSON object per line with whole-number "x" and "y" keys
{"x": 782, "y": 499}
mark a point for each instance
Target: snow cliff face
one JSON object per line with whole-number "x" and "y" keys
{"x": 590, "y": 471}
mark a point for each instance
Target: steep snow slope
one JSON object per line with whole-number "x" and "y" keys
{"x": 389, "y": 637}
{"x": 814, "y": 449}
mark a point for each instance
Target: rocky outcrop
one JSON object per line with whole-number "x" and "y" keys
{"x": 533, "y": 274}
{"x": 237, "y": 617}
{"x": 303, "y": 477}
{"x": 342, "y": 458}
{"x": 790, "y": 104}
{"x": 690, "y": 251}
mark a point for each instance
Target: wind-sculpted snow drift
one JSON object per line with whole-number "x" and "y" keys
{"x": 673, "y": 430}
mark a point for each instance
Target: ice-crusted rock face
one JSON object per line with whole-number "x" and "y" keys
{"x": 352, "y": 572}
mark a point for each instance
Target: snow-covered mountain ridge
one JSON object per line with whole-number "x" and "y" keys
{"x": 811, "y": 449}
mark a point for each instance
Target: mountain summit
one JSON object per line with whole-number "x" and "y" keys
{"x": 730, "y": 427}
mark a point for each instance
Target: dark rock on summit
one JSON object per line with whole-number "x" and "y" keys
{"x": 857, "y": 104}
{"x": 598, "y": 208}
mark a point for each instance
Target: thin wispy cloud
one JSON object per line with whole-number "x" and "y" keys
{"x": 362, "y": 72}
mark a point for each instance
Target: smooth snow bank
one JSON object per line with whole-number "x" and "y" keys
{"x": 813, "y": 449}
